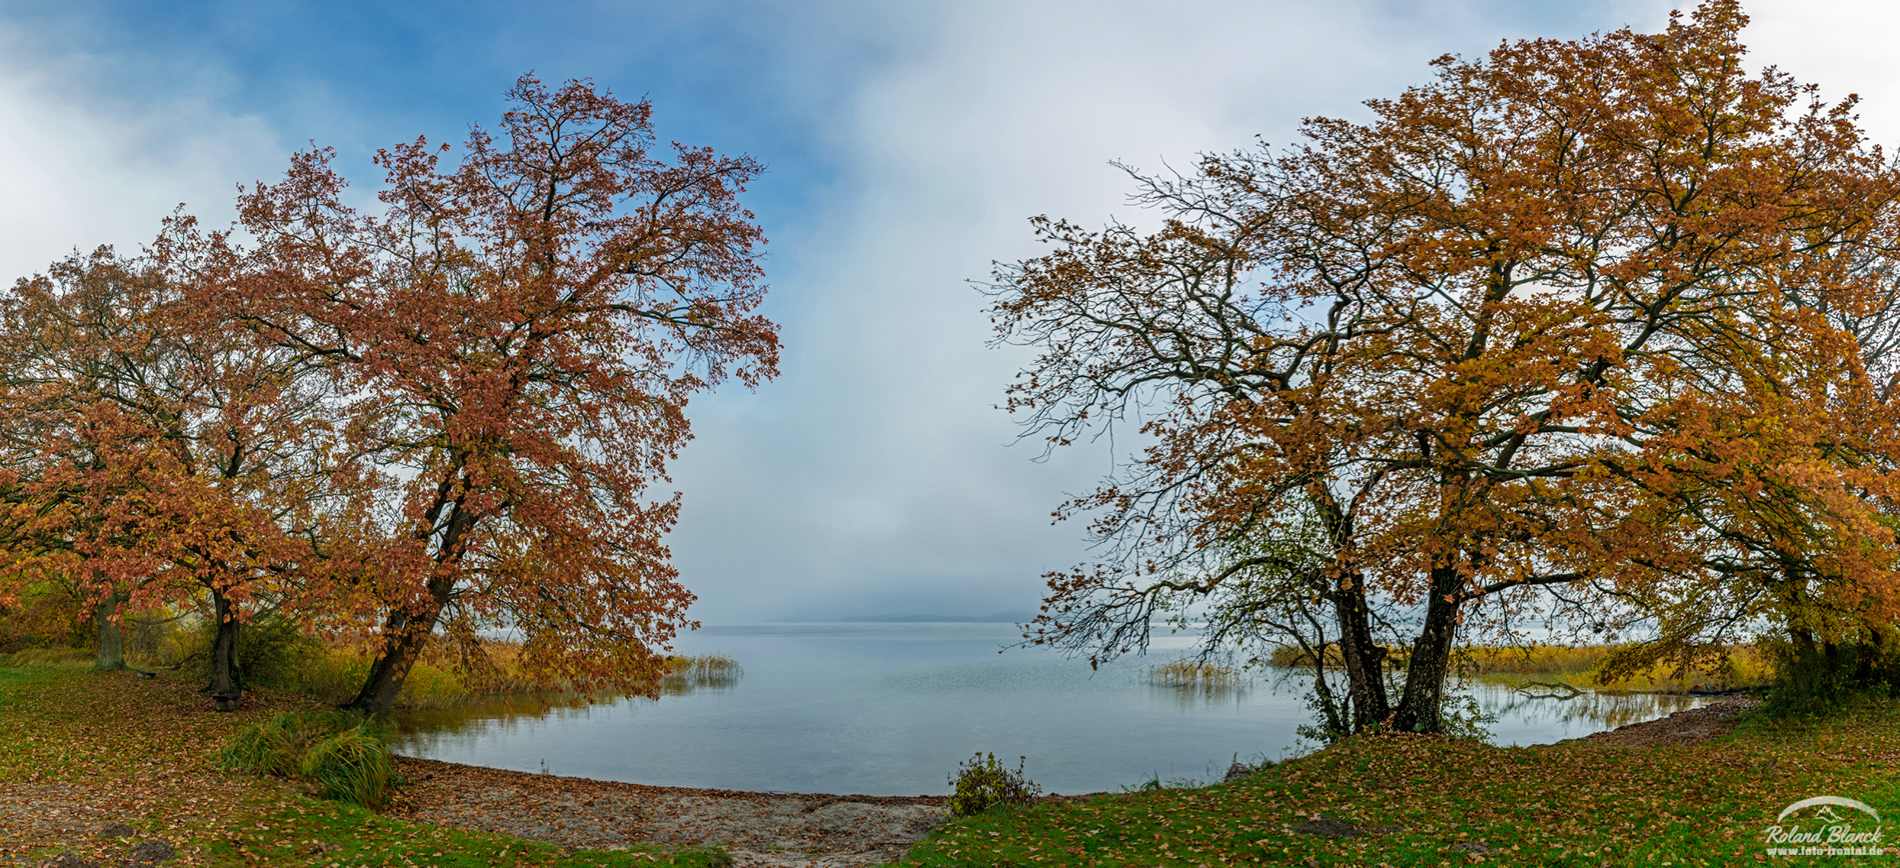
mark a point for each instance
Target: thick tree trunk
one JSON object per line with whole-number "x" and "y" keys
{"x": 227, "y": 681}
{"x": 111, "y": 656}
{"x": 1361, "y": 656}
{"x": 404, "y": 636}
{"x": 405, "y": 633}
{"x": 1421, "y": 706}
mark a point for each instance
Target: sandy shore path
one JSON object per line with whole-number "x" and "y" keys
{"x": 756, "y": 828}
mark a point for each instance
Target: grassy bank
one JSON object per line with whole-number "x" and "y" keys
{"x": 1418, "y": 800}
{"x": 1582, "y": 667}
{"x": 83, "y": 754}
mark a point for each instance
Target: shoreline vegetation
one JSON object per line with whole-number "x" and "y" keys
{"x": 1557, "y": 670}
{"x": 280, "y": 657}
{"x": 1591, "y": 668}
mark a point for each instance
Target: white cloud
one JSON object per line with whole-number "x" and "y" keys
{"x": 874, "y": 476}
{"x": 1844, "y": 46}
{"x": 86, "y": 159}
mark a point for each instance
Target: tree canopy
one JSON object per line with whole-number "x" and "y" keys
{"x": 1576, "y": 316}
{"x": 451, "y": 412}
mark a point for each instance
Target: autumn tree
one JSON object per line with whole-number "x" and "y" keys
{"x": 83, "y": 365}
{"x": 519, "y": 326}
{"x": 1480, "y": 347}
{"x": 160, "y": 454}
{"x": 1777, "y": 470}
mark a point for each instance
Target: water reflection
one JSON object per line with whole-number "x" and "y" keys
{"x": 421, "y": 727}
{"x": 890, "y": 709}
{"x": 1596, "y": 711}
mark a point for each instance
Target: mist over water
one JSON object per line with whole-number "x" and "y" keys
{"x": 893, "y": 708}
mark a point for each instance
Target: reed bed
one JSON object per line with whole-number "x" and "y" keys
{"x": 1194, "y": 674}
{"x": 1580, "y": 666}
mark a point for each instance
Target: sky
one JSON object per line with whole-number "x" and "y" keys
{"x": 906, "y": 144}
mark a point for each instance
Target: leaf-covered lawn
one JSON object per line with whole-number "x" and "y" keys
{"x": 97, "y": 765}
{"x": 1419, "y": 800}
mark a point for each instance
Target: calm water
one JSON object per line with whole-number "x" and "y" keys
{"x": 892, "y": 709}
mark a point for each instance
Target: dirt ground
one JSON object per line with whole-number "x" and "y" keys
{"x": 756, "y": 828}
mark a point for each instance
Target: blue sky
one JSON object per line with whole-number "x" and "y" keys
{"x": 906, "y": 144}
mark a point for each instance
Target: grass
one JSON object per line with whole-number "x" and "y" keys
{"x": 80, "y": 750}
{"x": 690, "y": 673}
{"x": 45, "y": 656}
{"x": 351, "y": 766}
{"x": 332, "y": 674}
{"x": 341, "y": 753}
{"x": 1422, "y": 800}
{"x": 276, "y": 745}
{"x": 1581, "y": 666}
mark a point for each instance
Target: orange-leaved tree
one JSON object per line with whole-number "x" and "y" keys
{"x": 161, "y": 455}
{"x": 519, "y": 327}
{"x": 1403, "y": 373}
{"x": 1775, "y": 465}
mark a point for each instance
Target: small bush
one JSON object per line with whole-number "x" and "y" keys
{"x": 352, "y": 766}
{"x": 338, "y": 751}
{"x": 984, "y": 782}
{"x": 277, "y": 746}
{"x": 1826, "y": 675}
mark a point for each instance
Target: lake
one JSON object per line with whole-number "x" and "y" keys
{"x": 891, "y": 709}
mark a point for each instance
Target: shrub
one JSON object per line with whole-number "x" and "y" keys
{"x": 41, "y": 615}
{"x": 984, "y": 782}
{"x": 277, "y": 746}
{"x": 1822, "y": 675}
{"x": 340, "y": 752}
{"x": 352, "y": 766}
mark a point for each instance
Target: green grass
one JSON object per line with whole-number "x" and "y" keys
{"x": 351, "y": 766}
{"x": 1423, "y": 800}
{"x": 276, "y": 745}
{"x": 79, "y": 749}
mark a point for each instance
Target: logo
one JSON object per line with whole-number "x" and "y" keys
{"x": 1826, "y": 826}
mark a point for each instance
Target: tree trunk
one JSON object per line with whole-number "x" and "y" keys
{"x": 111, "y": 656}
{"x": 1421, "y": 707}
{"x": 404, "y": 636}
{"x": 405, "y": 633}
{"x": 227, "y": 681}
{"x": 1362, "y": 657}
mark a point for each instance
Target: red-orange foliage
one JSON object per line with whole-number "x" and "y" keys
{"x": 517, "y": 331}
{"x": 1569, "y": 316}
{"x": 156, "y": 452}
